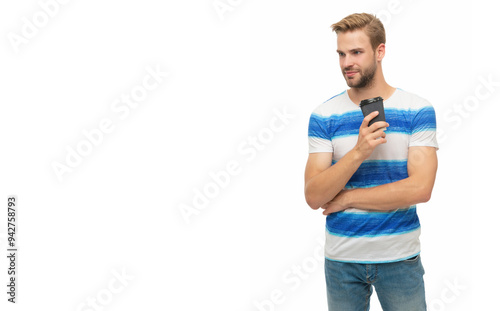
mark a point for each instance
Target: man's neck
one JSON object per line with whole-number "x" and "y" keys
{"x": 381, "y": 89}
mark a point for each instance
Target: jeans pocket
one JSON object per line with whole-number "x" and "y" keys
{"x": 412, "y": 259}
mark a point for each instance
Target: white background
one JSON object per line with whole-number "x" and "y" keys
{"x": 118, "y": 212}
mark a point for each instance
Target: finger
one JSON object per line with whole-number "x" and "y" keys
{"x": 377, "y": 133}
{"x": 325, "y": 207}
{"x": 377, "y": 138}
{"x": 379, "y": 124}
{"x": 330, "y": 209}
{"x": 380, "y": 141}
{"x": 368, "y": 118}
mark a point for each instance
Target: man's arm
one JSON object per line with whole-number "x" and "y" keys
{"x": 323, "y": 181}
{"x": 417, "y": 188}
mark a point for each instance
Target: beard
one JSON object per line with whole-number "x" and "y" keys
{"x": 366, "y": 77}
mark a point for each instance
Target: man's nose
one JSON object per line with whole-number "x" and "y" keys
{"x": 347, "y": 62}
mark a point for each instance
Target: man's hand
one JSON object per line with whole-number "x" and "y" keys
{"x": 323, "y": 181}
{"x": 338, "y": 204}
{"x": 370, "y": 136}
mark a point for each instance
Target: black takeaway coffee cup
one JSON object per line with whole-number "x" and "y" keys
{"x": 373, "y": 104}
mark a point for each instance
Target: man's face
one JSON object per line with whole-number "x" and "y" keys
{"x": 357, "y": 58}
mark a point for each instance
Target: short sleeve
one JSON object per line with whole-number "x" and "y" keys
{"x": 319, "y": 139}
{"x": 423, "y": 128}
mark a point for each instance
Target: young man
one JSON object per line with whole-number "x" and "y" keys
{"x": 368, "y": 179}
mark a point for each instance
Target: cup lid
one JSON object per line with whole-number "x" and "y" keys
{"x": 370, "y": 101}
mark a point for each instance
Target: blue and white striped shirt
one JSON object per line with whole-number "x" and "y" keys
{"x": 356, "y": 235}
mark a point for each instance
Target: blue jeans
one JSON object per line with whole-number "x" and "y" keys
{"x": 399, "y": 285}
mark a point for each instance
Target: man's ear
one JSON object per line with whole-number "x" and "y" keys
{"x": 380, "y": 52}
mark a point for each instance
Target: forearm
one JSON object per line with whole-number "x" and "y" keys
{"x": 326, "y": 185}
{"x": 400, "y": 194}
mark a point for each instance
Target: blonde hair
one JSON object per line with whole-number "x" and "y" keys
{"x": 371, "y": 25}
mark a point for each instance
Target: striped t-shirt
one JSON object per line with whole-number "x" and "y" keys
{"x": 356, "y": 235}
